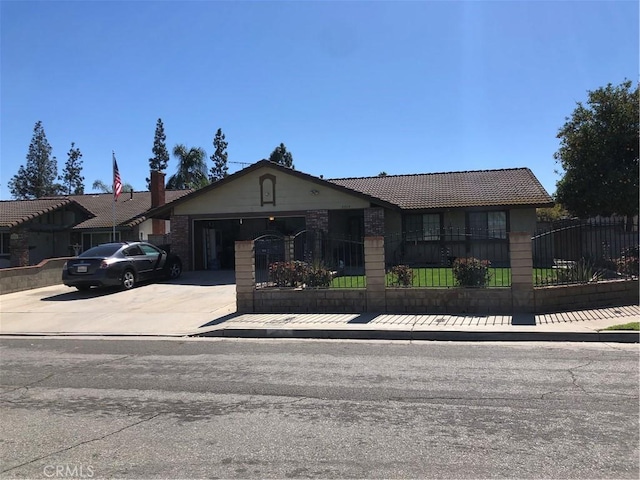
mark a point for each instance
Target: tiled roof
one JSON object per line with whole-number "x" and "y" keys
{"x": 15, "y": 212}
{"x": 514, "y": 186}
{"x": 129, "y": 210}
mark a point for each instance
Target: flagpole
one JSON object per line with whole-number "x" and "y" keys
{"x": 113, "y": 207}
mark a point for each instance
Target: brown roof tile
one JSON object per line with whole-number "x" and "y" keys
{"x": 129, "y": 210}
{"x": 16, "y": 212}
{"x": 514, "y": 186}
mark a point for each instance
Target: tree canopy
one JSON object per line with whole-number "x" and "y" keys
{"x": 160, "y": 159}
{"x": 104, "y": 188}
{"x": 72, "y": 180}
{"x": 38, "y": 178}
{"x": 282, "y": 156}
{"x": 219, "y": 158}
{"x": 192, "y": 168}
{"x": 599, "y": 154}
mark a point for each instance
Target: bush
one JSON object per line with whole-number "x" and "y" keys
{"x": 299, "y": 274}
{"x": 401, "y": 275}
{"x": 582, "y": 271}
{"x": 471, "y": 272}
{"x": 627, "y": 264}
{"x": 287, "y": 274}
{"x": 318, "y": 276}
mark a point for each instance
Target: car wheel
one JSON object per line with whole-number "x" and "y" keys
{"x": 128, "y": 280}
{"x": 83, "y": 288}
{"x": 175, "y": 270}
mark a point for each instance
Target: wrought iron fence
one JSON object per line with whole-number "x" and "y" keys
{"x": 448, "y": 258}
{"x": 310, "y": 259}
{"x": 583, "y": 251}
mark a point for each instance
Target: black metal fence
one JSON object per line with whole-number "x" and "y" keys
{"x": 448, "y": 258}
{"x": 582, "y": 251}
{"x": 310, "y": 259}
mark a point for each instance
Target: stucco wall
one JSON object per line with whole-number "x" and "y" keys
{"x": 291, "y": 194}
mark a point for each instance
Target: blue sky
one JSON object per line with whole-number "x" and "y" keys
{"x": 351, "y": 88}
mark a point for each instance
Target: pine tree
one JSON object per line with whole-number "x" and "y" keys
{"x": 219, "y": 158}
{"x": 37, "y": 178}
{"x": 282, "y": 156}
{"x": 73, "y": 182}
{"x": 160, "y": 159}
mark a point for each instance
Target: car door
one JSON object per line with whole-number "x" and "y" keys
{"x": 142, "y": 264}
{"x": 156, "y": 259}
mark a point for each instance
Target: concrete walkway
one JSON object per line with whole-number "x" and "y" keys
{"x": 583, "y": 325}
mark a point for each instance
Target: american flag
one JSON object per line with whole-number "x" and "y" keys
{"x": 117, "y": 182}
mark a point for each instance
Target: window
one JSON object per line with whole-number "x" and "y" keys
{"x": 4, "y": 243}
{"x": 424, "y": 226}
{"x": 92, "y": 239}
{"x": 488, "y": 224}
{"x": 149, "y": 251}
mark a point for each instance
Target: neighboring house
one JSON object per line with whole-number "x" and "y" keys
{"x": 267, "y": 197}
{"x": 32, "y": 230}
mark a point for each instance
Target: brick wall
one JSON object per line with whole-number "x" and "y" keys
{"x": 317, "y": 220}
{"x": 180, "y": 244}
{"x": 19, "y": 248}
{"x": 373, "y": 222}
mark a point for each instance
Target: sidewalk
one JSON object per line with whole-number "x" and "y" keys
{"x": 584, "y": 325}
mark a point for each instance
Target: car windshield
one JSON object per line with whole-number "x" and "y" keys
{"x": 101, "y": 251}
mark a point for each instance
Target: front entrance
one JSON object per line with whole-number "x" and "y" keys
{"x": 214, "y": 240}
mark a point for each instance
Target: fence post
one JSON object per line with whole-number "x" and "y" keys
{"x": 245, "y": 275}
{"x": 375, "y": 274}
{"x": 522, "y": 298}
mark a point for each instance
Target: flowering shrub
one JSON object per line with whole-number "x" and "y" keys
{"x": 299, "y": 274}
{"x": 471, "y": 272}
{"x": 287, "y": 274}
{"x": 401, "y": 275}
{"x": 627, "y": 264}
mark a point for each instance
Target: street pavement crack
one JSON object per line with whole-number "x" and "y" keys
{"x": 85, "y": 442}
{"x": 35, "y": 382}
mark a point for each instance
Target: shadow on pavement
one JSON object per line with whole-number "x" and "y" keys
{"x": 218, "y": 321}
{"x": 363, "y": 318}
{"x": 78, "y": 295}
{"x": 523, "y": 319}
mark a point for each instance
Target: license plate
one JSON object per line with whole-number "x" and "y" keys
{"x": 82, "y": 269}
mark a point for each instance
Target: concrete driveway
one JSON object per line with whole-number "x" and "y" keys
{"x": 167, "y": 308}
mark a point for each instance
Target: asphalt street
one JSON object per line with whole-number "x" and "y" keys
{"x": 221, "y": 408}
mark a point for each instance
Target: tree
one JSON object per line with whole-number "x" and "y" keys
{"x": 160, "y": 159}
{"x": 383, "y": 174}
{"x": 38, "y": 178}
{"x": 104, "y": 188}
{"x": 219, "y": 158}
{"x": 282, "y": 156}
{"x": 192, "y": 168}
{"x": 599, "y": 154}
{"x": 72, "y": 181}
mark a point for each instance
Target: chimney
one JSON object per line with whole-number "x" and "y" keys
{"x": 157, "y": 200}
{"x": 157, "y": 189}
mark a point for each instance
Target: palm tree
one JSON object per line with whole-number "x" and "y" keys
{"x": 104, "y": 188}
{"x": 192, "y": 168}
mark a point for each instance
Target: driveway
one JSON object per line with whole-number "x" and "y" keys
{"x": 167, "y": 308}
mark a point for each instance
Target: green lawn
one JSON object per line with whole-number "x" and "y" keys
{"x": 442, "y": 277}
{"x": 635, "y": 326}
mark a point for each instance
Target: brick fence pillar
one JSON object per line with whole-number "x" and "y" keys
{"x": 374, "y": 270}
{"x": 522, "y": 297}
{"x": 245, "y": 275}
{"x": 289, "y": 248}
{"x": 19, "y": 248}
{"x": 180, "y": 240}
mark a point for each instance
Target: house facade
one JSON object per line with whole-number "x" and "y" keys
{"x": 267, "y": 198}
{"x": 33, "y": 230}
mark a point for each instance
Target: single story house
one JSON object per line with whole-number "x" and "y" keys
{"x": 32, "y": 230}
{"x": 407, "y": 209}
